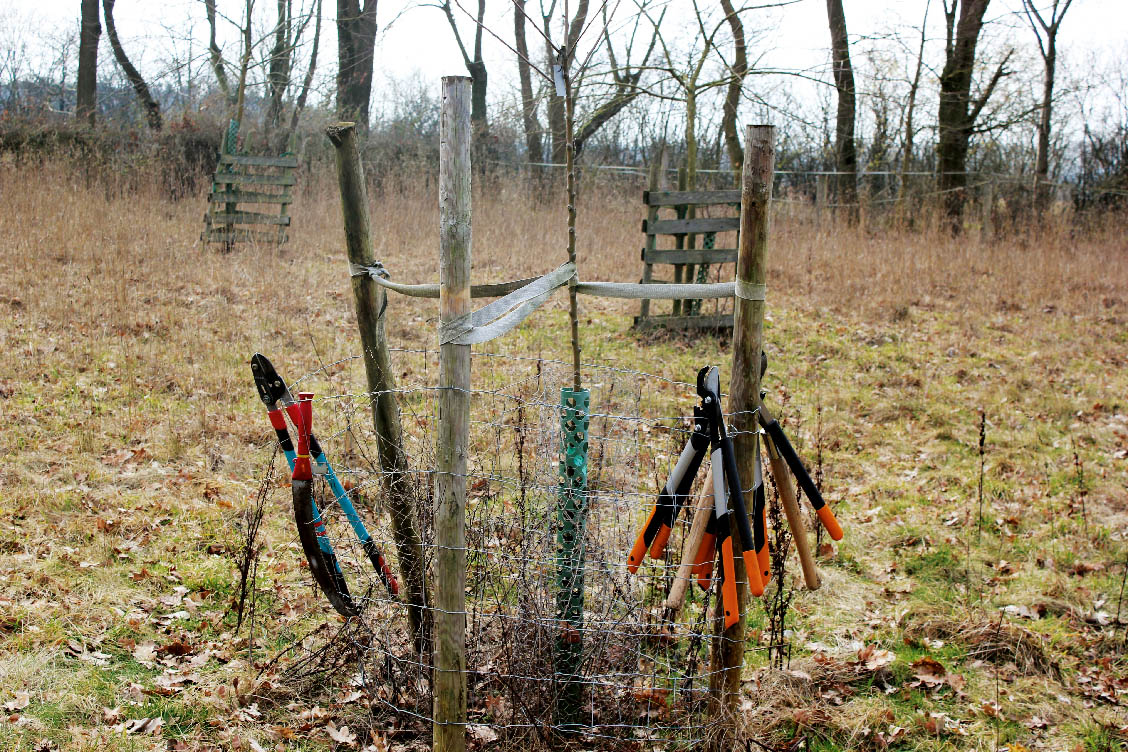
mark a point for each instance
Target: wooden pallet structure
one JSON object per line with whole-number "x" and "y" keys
{"x": 250, "y": 192}
{"x": 691, "y": 264}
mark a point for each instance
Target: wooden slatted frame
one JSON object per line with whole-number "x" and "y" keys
{"x": 684, "y": 256}
{"x": 242, "y": 180}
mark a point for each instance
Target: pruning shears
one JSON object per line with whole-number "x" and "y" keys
{"x": 306, "y": 460}
{"x": 709, "y": 434}
{"x": 728, "y": 505}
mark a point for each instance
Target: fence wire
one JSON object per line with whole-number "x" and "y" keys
{"x": 643, "y": 679}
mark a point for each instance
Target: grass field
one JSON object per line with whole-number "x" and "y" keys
{"x": 132, "y": 438}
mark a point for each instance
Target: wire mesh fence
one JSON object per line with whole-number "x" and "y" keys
{"x": 642, "y": 676}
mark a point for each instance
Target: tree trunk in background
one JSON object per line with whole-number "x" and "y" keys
{"x": 955, "y": 116}
{"x": 89, "y": 33}
{"x": 907, "y": 153}
{"x": 476, "y": 67}
{"x": 140, "y": 88}
{"x": 845, "y": 152}
{"x": 281, "y": 63}
{"x": 215, "y": 54}
{"x": 556, "y": 113}
{"x": 307, "y": 83}
{"x": 356, "y": 43}
{"x": 534, "y": 133}
{"x": 738, "y": 71}
{"x": 1047, "y": 45}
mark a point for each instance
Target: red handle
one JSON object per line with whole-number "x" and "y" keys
{"x": 301, "y": 414}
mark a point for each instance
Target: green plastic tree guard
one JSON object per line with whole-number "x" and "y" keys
{"x": 571, "y": 518}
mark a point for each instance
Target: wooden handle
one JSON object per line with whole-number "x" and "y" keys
{"x": 794, "y": 518}
{"x": 684, "y": 576}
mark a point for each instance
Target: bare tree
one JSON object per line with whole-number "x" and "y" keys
{"x": 140, "y": 88}
{"x": 1046, "y": 32}
{"x": 958, "y": 110}
{"x": 87, "y": 94}
{"x": 564, "y": 56}
{"x": 281, "y": 62}
{"x": 245, "y": 62}
{"x": 534, "y": 132}
{"x": 737, "y": 72}
{"x": 475, "y": 66}
{"x": 307, "y": 82}
{"x": 215, "y": 54}
{"x": 356, "y": 44}
{"x": 845, "y": 151}
{"x": 288, "y": 35}
{"x": 910, "y": 132}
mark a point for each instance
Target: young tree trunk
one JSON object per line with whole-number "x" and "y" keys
{"x": 534, "y": 132}
{"x": 140, "y": 88}
{"x": 356, "y": 44}
{"x": 845, "y": 152}
{"x": 89, "y": 33}
{"x": 955, "y": 116}
{"x": 738, "y": 71}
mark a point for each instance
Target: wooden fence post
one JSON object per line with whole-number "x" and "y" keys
{"x": 449, "y": 724}
{"x": 370, "y": 300}
{"x": 744, "y": 387}
{"x": 657, "y": 168}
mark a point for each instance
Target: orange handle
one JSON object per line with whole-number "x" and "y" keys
{"x": 638, "y": 553}
{"x": 752, "y": 567}
{"x": 829, "y": 522}
{"x": 703, "y": 566}
{"x": 728, "y": 585}
{"x": 658, "y": 547}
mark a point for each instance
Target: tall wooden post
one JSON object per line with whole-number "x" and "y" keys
{"x": 744, "y": 386}
{"x": 657, "y": 170}
{"x": 370, "y": 301}
{"x": 454, "y": 420}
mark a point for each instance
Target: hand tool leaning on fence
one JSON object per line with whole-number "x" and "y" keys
{"x": 708, "y": 527}
{"x": 305, "y": 462}
{"x": 728, "y": 501}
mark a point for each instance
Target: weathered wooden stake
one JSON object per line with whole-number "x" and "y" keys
{"x": 657, "y": 170}
{"x": 744, "y": 391}
{"x": 370, "y": 299}
{"x": 454, "y": 420}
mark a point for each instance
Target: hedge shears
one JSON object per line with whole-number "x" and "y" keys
{"x": 711, "y": 529}
{"x": 710, "y": 434}
{"x": 306, "y": 461}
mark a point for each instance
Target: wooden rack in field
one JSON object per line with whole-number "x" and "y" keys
{"x": 243, "y": 195}
{"x": 691, "y": 264}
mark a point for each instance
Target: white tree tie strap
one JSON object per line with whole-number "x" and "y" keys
{"x": 748, "y": 291}
{"x": 521, "y": 297}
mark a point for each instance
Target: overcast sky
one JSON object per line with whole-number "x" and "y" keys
{"x": 420, "y": 42}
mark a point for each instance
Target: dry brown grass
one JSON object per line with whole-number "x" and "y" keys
{"x": 125, "y": 334}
